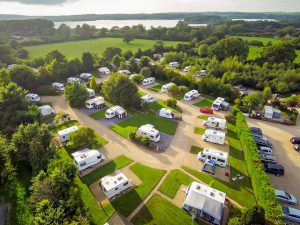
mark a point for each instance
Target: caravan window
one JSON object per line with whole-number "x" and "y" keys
{"x": 221, "y": 160}
{"x": 99, "y": 157}
{"x": 82, "y": 164}
{"x": 116, "y": 189}
{"x": 157, "y": 135}
{"x": 125, "y": 184}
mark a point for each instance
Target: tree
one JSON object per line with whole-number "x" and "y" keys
{"x": 253, "y": 100}
{"x": 55, "y": 55}
{"x": 128, "y": 54}
{"x": 22, "y": 53}
{"x": 4, "y": 77}
{"x": 110, "y": 52}
{"x": 24, "y": 76}
{"x": 138, "y": 78}
{"x": 171, "y": 102}
{"x": 128, "y": 37}
{"x": 87, "y": 62}
{"x": 76, "y": 94}
{"x": 144, "y": 61}
{"x": 93, "y": 84}
{"x": 203, "y": 50}
{"x": 82, "y": 136}
{"x": 6, "y": 54}
{"x": 283, "y": 52}
{"x": 120, "y": 90}
{"x": 146, "y": 72}
{"x": 267, "y": 94}
{"x": 74, "y": 67}
{"x": 159, "y": 47}
{"x": 254, "y": 215}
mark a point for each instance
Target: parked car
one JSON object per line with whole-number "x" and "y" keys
{"x": 259, "y": 136}
{"x": 285, "y": 197}
{"x": 275, "y": 169}
{"x": 295, "y": 140}
{"x": 265, "y": 158}
{"x": 256, "y": 130}
{"x": 267, "y": 143}
{"x": 260, "y": 142}
{"x": 206, "y": 110}
{"x": 297, "y": 147}
{"x": 264, "y": 150}
{"x": 291, "y": 214}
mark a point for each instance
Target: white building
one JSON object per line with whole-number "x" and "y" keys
{"x": 148, "y": 130}
{"x": 46, "y": 110}
{"x": 58, "y": 86}
{"x": 205, "y": 203}
{"x": 219, "y": 157}
{"x": 166, "y": 113}
{"x": 86, "y": 76}
{"x": 147, "y": 98}
{"x": 104, "y": 71}
{"x": 115, "y": 111}
{"x": 95, "y": 103}
{"x": 220, "y": 104}
{"x": 86, "y": 158}
{"x": 73, "y": 80}
{"x": 191, "y": 95}
{"x": 64, "y": 135}
{"x": 213, "y": 122}
{"x": 32, "y": 98}
{"x": 165, "y": 87}
{"x": 213, "y": 136}
{"x": 174, "y": 64}
{"x": 91, "y": 92}
{"x": 114, "y": 186}
{"x": 148, "y": 81}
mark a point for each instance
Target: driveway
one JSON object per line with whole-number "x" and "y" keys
{"x": 280, "y": 136}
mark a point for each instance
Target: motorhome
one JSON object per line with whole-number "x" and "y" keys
{"x": 201, "y": 73}
{"x": 11, "y": 66}
{"x": 58, "y": 86}
{"x": 166, "y": 113}
{"x": 64, "y": 135}
{"x": 165, "y": 87}
{"x": 33, "y": 98}
{"x": 95, "y": 103}
{"x": 149, "y": 131}
{"x": 186, "y": 69}
{"x": 86, "y": 158}
{"x": 46, "y": 110}
{"x": 147, "y": 98}
{"x": 213, "y": 122}
{"x": 115, "y": 111}
{"x": 73, "y": 80}
{"x": 220, "y": 104}
{"x": 85, "y": 76}
{"x": 113, "y": 186}
{"x": 148, "y": 81}
{"x": 104, "y": 71}
{"x": 213, "y": 136}
{"x": 191, "y": 95}
{"x": 174, "y": 64}
{"x": 91, "y": 92}
{"x": 219, "y": 157}
{"x": 126, "y": 72}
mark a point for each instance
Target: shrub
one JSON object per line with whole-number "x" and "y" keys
{"x": 146, "y": 72}
{"x": 254, "y": 215}
{"x": 46, "y": 90}
{"x": 138, "y": 78}
{"x": 132, "y": 135}
{"x": 235, "y": 110}
{"x": 83, "y": 136}
{"x": 146, "y": 141}
{"x": 171, "y": 102}
{"x": 230, "y": 118}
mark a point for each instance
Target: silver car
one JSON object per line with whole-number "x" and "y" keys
{"x": 285, "y": 197}
{"x": 291, "y": 214}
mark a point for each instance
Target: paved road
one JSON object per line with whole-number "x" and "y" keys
{"x": 280, "y": 136}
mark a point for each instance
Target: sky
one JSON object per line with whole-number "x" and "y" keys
{"x": 72, "y": 7}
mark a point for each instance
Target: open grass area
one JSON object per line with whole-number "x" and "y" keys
{"x": 207, "y": 102}
{"x": 196, "y": 149}
{"x": 203, "y": 117}
{"x": 155, "y": 106}
{"x": 199, "y": 130}
{"x": 150, "y": 177}
{"x": 172, "y": 183}
{"x": 264, "y": 40}
{"x": 163, "y": 125}
{"x": 159, "y": 211}
{"x": 98, "y": 115}
{"x": 107, "y": 169}
{"x": 156, "y": 88}
{"x": 73, "y": 49}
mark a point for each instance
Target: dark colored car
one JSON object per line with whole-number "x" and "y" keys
{"x": 297, "y": 147}
{"x": 275, "y": 169}
{"x": 295, "y": 140}
{"x": 206, "y": 110}
{"x": 256, "y": 130}
{"x": 260, "y": 142}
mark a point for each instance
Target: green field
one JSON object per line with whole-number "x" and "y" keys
{"x": 73, "y": 49}
{"x": 264, "y": 40}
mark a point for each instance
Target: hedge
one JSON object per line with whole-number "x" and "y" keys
{"x": 262, "y": 186}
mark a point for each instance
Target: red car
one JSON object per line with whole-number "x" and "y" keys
{"x": 206, "y": 110}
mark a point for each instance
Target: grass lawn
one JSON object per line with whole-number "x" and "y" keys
{"x": 203, "y": 117}
{"x": 199, "y": 130}
{"x": 155, "y": 106}
{"x": 156, "y": 88}
{"x": 196, "y": 150}
{"x": 73, "y": 49}
{"x": 207, "y": 102}
{"x": 107, "y": 169}
{"x": 150, "y": 177}
{"x": 65, "y": 125}
{"x": 264, "y": 40}
{"x": 172, "y": 183}
{"x": 163, "y": 125}
{"x": 98, "y": 115}
{"x": 159, "y": 211}
{"x": 239, "y": 190}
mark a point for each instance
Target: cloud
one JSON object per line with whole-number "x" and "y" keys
{"x": 39, "y": 2}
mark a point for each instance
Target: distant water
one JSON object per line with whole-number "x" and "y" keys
{"x": 122, "y": 23}
{"x": 255, "y": 20}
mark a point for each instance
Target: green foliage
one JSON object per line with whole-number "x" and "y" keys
{"x": 146, "y": 72}
{"x": 138, "y": 78}
{"x": 146, "y": 141}
{"x": 47, "y": 90}
{"x": 93, "y": 84}
{"x": 254, "y": 215}
{"x": 278, "y": 53}
{"x": 234, "y": 110}
{"x": 23, "y": 76}
{"x": 87, "y": 62}
{"x": 253, "y": 100}
{"x": 4, "y": 77}
{"x": 128, "y": 37}
{"x": 196, "y": 149}
{"x": 171, "y": 102}
{"x": 132, "y": 135}
{"x": 82, "y": 136}
{"x": 177, "y": 91}
{"x": 76, "y": 94}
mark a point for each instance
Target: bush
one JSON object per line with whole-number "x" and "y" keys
{"x": 230, "y": 118}
{"x": 138, "y": 78}
{"x": 47, "y": 90}
{"x": 146, "y": 141}
{"x": 146, "y": 72}
{"x": 171, "y": 102}
{"x": 235, "y": 110}
{"x": 132, "y": 135}
{"x": 83, "y": 136}
{"x": 254, "y": 215}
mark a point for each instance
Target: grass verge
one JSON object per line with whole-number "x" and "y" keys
{"x": 196, "y": 150}
{"x": 199, "y": 130}
{"x": 156, "y": 88}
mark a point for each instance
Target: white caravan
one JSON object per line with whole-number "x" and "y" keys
{"x": 58, "y": 86}
{"x": 186, "y": 69}
{"x": 148, "y": 81}
{"x": 220, "y": 104}
{"x": 46, "y": 110}
{"x": 191, "y": 95}
{"x": 213, "y": 136}
{"x": 219, "y": 157}
{"x": 147, "y": 98}
{"x": 95, "y": 103}
{"x": 201, "y": 73}
{"x": 104, "y": 71}
{"x": 73, "y": 80}
{"x": 85, "y": 76}
{"x": 33, "y": 98}
{"x": 11, "y": 66}
{"x": 213, "y": 122}
{"x": 113, "y": 186}
{"x": 115, "y": 111}
{"x": 166, "y": 113}
{"x": 165, "y": 87}
{"x": 64, "y": 135}
{"x": 149, "y": 131}
{"x": 86, "y": 158}
{"x": 91, "y": 92}
{"x": 126, "y": 72}
{"x": 174, "y": 64}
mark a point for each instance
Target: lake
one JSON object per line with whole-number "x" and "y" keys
{"x": 122, "y": 23}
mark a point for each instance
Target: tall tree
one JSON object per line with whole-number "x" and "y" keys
{"x": 24, "y": 76}
{"x": 87, "y": 62}
{"x": 76, "y": 94}
{"x": 283, "y": 52}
